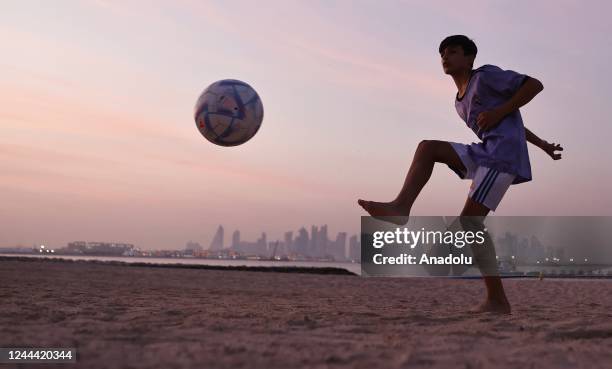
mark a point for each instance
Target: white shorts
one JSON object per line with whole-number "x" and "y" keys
{"x": 488, "y": 185}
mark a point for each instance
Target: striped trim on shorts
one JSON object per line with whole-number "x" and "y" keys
{"x": 489, "y": 186}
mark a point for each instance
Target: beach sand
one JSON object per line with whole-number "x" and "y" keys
{"x": 145, "y": 317}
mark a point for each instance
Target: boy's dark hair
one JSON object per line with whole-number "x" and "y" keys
{"x": 468, "y": 46}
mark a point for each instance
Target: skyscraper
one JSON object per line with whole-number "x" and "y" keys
{"x": 323, "y": 242}
{"x": 217, "y": 242}
{"x": 301, "y": 242}
{"x": 314, "y": 238}
{"x": 338, "y": 250}
{"x": 354, "y": 248}
{"x": 236, "y": 240}
{"x": 289, "y": 242}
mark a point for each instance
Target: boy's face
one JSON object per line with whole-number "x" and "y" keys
{"x": 455, "y": 61}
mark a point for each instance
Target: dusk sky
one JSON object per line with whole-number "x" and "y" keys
{"x": 99, "y": 143}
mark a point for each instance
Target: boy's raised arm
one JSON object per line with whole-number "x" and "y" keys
{"x": 489, "y": 119}
{"x": 525, "y": 93}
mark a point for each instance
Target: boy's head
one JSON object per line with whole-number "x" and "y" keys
{"x": 458, "y": 53}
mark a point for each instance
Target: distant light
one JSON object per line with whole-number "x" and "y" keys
{"x": 585, "y": 259}
{"x": 571, "y": 259}
{"x": 538, "y": 262}
{"x": 546, "y": 259}
{"x": 512, "y": 256}
{"x": 42, "y": 246}
{"x": 52, "y": 250}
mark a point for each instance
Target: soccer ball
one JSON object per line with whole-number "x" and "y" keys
{"x": 228, "y": 113}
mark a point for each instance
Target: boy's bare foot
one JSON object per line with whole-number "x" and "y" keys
{"x": 386, "y": 211}
{"x": 492, "y": 306}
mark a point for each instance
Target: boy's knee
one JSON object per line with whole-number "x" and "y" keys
{"x": 426, "y": 147}
{"x": 431, "y": 149}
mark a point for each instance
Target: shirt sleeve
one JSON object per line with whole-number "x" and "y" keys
{"x": 504, "y": 82}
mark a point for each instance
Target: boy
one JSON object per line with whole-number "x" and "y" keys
{"x": 488, "y": 100}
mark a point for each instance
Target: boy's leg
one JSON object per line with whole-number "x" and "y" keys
{"x": 427, "y": 154}
{"x": 496, "y": 300}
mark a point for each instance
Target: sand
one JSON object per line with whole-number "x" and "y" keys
{"x": 141, "y": 317}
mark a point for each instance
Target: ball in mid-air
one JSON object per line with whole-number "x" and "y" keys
{"x": 229, "y": 112}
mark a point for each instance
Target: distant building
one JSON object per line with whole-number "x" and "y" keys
{"x": 354, "y": 248}
{"x": 313, "y": 244}
{"x": 289, "y": 243}
{"x": 337, "y": 248}
{"x": 194, "y": 246}
{"x": 217, "y": 242}
{"x": 301, "y": 242}
{"x": 259, "y": 248}
{"x": 193, "y": 249}
{"x": 322, "y": 243}
{"x": 100, "y": 248}
{"x": 235, "y": 239}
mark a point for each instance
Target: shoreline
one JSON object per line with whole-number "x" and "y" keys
{"x": 276, "y": 269}
{"x": 284, "y": 269}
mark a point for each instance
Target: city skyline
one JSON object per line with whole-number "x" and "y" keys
{"x": 316, "y": 244}
{"x": 209, "y": 242}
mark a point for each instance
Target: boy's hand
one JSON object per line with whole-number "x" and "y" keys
{"x": 550, "y": 149}
{"x": 489, "y": 119}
